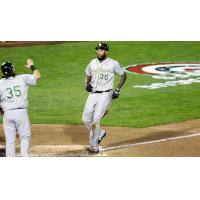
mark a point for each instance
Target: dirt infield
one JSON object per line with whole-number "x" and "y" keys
{"x": 180, "y": 139}
{"x": 5, "y": 44}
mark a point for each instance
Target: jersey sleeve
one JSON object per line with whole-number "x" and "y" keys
{"x": 29, "y": 79}
{"x": 118, "y": 70}
{"x": 88, "y": 70}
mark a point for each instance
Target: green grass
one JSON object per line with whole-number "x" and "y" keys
{"x": 59, "y": 96}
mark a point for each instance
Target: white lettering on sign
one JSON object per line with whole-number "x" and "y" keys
{"x": 168, "y": 84}
{"x": 178, "y": 73}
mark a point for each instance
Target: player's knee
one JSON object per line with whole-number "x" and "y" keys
{"x": 25, "y": 137}
{"x": 10, "y": 140}
{"x": 87, "y": 122}
{"x": 95, "y": 121}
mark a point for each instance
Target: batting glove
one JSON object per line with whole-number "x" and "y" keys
{"x": 89, "y": 87}
{"x": 115, "y": 94}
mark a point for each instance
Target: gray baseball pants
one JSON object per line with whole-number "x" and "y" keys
{"x": 16, "y": 121}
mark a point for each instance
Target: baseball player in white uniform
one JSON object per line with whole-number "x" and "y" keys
{"x": 100, "y": 75}
{"x": 14, "y": 105}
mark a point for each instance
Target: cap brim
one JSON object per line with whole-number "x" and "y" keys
{"x": 101, "y": 48}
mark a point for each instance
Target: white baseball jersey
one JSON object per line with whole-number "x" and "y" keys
{"x": 14, "y": 90}
{"x": 103, "y": 73}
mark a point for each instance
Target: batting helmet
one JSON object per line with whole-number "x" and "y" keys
{"x": 7, "y": 68}
{"x": 103, "y": 46}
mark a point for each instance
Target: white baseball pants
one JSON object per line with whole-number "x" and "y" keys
{"x": 96, "y": 106}
{"x": 16, "y": 121}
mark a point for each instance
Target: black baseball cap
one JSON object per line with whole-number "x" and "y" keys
{"x": 103, "y": 46}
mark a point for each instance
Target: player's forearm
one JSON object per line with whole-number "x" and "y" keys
{"x": 37, "y": 74}
{"x": 122, "y": 81}
{"x": 88, "y": 79}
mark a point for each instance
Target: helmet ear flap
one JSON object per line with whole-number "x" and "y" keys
{"x": 7, "y": 68}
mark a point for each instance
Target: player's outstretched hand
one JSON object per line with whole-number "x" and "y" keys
{"x": 115, "y": 94}
{"x": 89, "y": 87}
{"x": 29, "y": 63}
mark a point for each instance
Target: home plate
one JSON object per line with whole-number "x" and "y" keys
{"x": 60, "y": 150}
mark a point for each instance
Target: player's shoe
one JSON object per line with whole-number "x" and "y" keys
{"x": 92, "y": 150}
{"x": 88, "y": 148}
{"x": 100, "y": 139}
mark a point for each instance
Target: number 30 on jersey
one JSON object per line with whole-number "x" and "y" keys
{"x": 104, "y": 76}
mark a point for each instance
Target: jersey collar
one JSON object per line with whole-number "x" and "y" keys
{"x": 101, "y": 63}
{"x": 10, "y": 78}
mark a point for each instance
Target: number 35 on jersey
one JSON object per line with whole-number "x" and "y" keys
{"x": 13, "y": 91}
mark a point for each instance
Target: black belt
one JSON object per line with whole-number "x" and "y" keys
{"x": 102, "y": 91}
{"x": 17, "y": 108}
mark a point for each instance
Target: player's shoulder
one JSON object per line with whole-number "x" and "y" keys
{"x": 2, "y": 80}
{"x": 113, "y": 61}
{"x": 94, "y": 60}
{"x": 22, "y": 75}
{"x": 18, "y": 77}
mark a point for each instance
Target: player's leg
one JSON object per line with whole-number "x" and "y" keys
{"x": 23, "y": 127}
{"x": 89, "y": 111}
{"x": 102, "y": 133}
{"x": 101, "y": 108}
{"x": 87, "y": 115}
{"x": 10, "y": 134}
{"x": 108, "y": 100}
